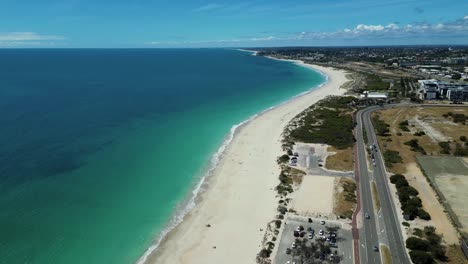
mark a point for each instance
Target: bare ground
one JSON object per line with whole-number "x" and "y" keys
{"x": 340, "y": 159}
{"x": 343, "y": 202}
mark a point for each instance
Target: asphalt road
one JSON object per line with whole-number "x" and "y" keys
{"x": 391, "y": 226}
{"x": 368, "y": 234}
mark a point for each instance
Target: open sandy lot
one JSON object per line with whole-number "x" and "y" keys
{"x": 315, "y": 196}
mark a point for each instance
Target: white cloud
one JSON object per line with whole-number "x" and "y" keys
{"x": 465, "y": 17}
{"x": 362, "y": 27}
{"x": 450, "y": 29}
{"x": 26, "y": 36}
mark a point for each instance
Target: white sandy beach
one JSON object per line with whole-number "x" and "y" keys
{"x": 240, "y": 199}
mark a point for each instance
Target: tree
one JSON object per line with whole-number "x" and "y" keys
{"x": 416, "y": 243}
{"x": 421, "y": 257}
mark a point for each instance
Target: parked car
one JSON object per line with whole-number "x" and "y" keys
{"x": 376, "y": 248}
{"x": 310, "y": 220}
{"x": 293, "y": 245}
{"x": 322, "y": 222}
{"x": 288, "y": 251}
{"x": 321, "y": 232}
{"x": 310, "y": 236}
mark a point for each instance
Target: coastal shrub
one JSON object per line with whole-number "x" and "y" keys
{"x": 418, "y": 232}
{"x": 420, "y": 133}
{"x": 408, "y": 190}
{"x": 391, "y": 156}
{"x": 414, "y": 144}
{"x": 460, "y": 150}
{"x": 423, "y": 214}
{"x": 282, "y": 209}
{"x": 459, "y": 118}
{"x": 283, "y": 159}
{"x": 463, "y": 138}
{"x": 421, "y": 257}
{"x": 381, "y": 128}
{"x": 404, "y": 126}
{"x": 445, "y": 147}
{"x": 278, "y": 223}
{"x": 329, "y": 121}
{"x": 405, "y": 224}
{"x": 397, "y": 177}
{"x": 264, "y": 253}
{"x": 416, "y": 243}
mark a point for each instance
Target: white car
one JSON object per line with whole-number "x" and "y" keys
{"x": 293, "y": 245}
{"x": 311, "y": 236}
{"x": 322, "y": 222}
{"x": 321, "y": 232}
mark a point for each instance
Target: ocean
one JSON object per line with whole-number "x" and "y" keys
{"x": 100, "y": 147}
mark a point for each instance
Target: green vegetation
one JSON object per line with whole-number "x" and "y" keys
{"x": 463, "y": 138}
{"x": 375, "y": 83}
{"x": 288, "y": 176}
{"x": 426, "y": 247}
{"x": 350, "y": 191}
{"x": 381, "y": 128}
{"x": 456, "y": 118}
{"x": 283, "y": 159}
{"x": 445, "y": 147}
{"x": 404, "y": 126}
{"x": 329, "y": 121}
{"x": 391, "y": 156}
{"x": 460, "y": 150}
{"x": 414, "y": 144}
{"x": 408, "y": 196}
{"x": 420, "y": 133}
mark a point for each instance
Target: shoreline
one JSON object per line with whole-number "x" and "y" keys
{"x": 186, "y": 221}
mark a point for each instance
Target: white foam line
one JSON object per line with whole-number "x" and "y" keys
{"x": 188, "y": 205}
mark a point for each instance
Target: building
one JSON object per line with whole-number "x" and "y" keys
{"x": 435, "y": 89}
{"x": 374, "y": 95}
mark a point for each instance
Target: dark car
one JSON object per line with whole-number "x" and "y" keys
{"x": 376, "y": 248}
{"x": 310, "y": 220}
{"x": 296, "y": 234}
{"x": 367, "y": 216}
{"x": 288, "y": 251}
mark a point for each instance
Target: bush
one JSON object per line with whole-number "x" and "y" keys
{"x": 445, "y": 146}
{"x": 264, "y": 253}
{"x": 278, "y": 223}
{"x": 405, "y": 224}
{"x": 423, "y": 214}
{"x": 420, "y": 133}
{"x": 421, "y": 257}
{"x": 404, "y": 126}
{"x": 460, "y": 151}
{"x": 414, "y": 144}
{"x": 380, "y": 127}
{"x": 391, "y": 156}
{"x": 415, "y": 243}
{"x": 282, "y": 209}
{"x": 283, "y": 159}
{"x": 409, "y": 190}
{"x": 418, "y": 232}
{"x": 414, "y": 201}
{"x": 396, "y": 177}
{"x": 463, "y": 138}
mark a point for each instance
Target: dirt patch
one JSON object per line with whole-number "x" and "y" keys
{"x": 431, "y": 204}
{"x": 340, "y": 159}
{"x": 344, "y": 197}
{"x": 375, "y": 196}
{"x": 386, "y": 255}
{"x": 455, "y": 255}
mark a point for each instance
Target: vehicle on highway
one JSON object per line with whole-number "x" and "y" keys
{"x": 367, "y": 216}
{"x": 376, "y": 248}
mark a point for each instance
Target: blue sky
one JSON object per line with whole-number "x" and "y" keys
{"x": 197, "y": 23}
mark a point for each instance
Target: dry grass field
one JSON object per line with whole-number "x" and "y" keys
{"x": 344, "y": 197}
{"x": 430, "y": 120}
{"x": 342, "y": 160}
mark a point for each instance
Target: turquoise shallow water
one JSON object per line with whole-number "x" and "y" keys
{"x": 98, "y": 147}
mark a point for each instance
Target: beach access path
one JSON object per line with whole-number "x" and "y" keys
{"x": 240, "y": 199}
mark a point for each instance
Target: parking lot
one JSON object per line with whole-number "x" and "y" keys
{"x": 343, "y": 245}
